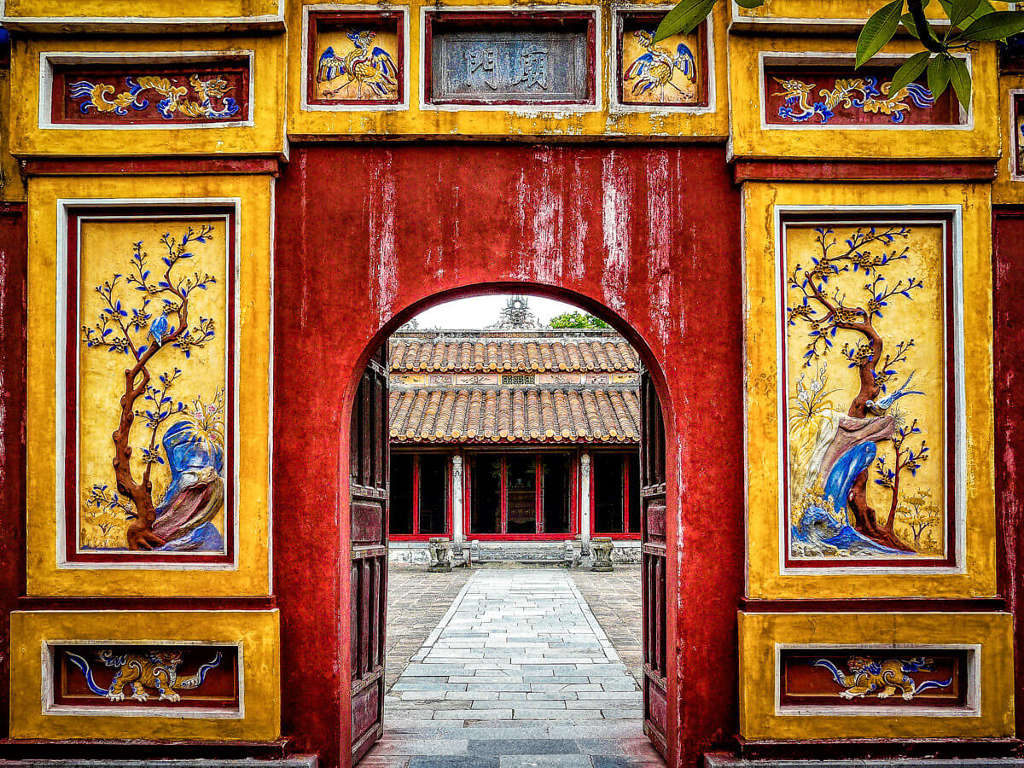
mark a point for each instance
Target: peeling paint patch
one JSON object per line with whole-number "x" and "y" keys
{"x": 381, "y": 229}
{"x": 616, "y": 193}
{"x": 659, "y": 238}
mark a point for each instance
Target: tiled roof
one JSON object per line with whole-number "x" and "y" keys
{"x": 515, "y": 415}
{"x": 478, "y": 354}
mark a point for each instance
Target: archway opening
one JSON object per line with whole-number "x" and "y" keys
{"x": 507, "y": 450}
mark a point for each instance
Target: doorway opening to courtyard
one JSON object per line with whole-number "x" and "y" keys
{"x": 508, "y": 541}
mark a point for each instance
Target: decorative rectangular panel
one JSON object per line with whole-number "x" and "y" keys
{"x": 916, "y": 675}
{"x": 874, "y": 677}
{"x": 842, "y": 96}
{"x": 202, "y": 92}
{"x": 149, "y": 358}
{"x": 671, "y": 73}
{"x": 145, "y": 677}
{"x": 869, "y": 381}
{"x": 355, "y": 58}
{"x": 503, "y": 58}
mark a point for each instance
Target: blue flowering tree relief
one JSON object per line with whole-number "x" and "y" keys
{"x": 148, "y": 317}
{"x": 839, "y": 298}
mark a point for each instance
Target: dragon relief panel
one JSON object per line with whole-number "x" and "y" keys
{"x": 151, "y": 94}
{"x": 868, "y": 382}
{"x": 831, "y": 97}
{"x": 355, "y": 59}
{"x": 146, "y": 676}
{"x": 874, "y": 678}
{"x": 670, "y": 73}
{"x": 149, "y": 354}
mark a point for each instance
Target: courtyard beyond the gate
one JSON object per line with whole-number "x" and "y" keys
{"x": 502, "y": 668}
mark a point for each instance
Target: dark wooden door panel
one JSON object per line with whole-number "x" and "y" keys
{"x": 369, "y": 573}
{"x": 653, "y": 564}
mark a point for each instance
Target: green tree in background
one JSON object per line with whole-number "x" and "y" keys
{"x": 970, "y": 22}
{"x": 577, "y": 320}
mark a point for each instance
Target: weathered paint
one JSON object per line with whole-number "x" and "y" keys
{"x": 812, "y": 12}
{"x": 1008, "y": 347}
{"x": 12, "y": 424}
{"x": 455, "y": 208}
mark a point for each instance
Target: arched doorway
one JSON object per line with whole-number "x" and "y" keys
{"x": 533, "y": 469}
{"x": 614, "y": 230}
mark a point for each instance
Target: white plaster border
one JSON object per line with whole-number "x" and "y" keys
{"x": 614, "y": 73}
{"x": 553, "y": 111}
{"x": 972, "y": 703}
{"x": 833, "y": 216}
{"x": 740, "y": 19}
{"x": 342, "y": 106}
{"x": 48, "y": 678}
{"x": 122, "y": 208}
{"x": 837, "y": 57}
{"x": 48, "y": 58}
{"x": 187, "y": 22}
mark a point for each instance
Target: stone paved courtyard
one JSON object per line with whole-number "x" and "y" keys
{"x": 517, "y": 670}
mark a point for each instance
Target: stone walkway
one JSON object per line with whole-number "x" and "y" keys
{"x": 517, "y": 673}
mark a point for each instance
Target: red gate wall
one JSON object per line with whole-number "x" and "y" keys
{"x": 367, "y": 235}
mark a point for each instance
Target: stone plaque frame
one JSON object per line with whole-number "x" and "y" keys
{"x": 574, "y": 29}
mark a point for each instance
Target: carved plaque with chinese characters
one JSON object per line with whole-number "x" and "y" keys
{"x": 490, "y": 65}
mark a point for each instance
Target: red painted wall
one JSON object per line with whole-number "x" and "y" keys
{"x": 12, "y": 428}
{"x": 648, "y": 237}
{"x": 1008, "y": 287}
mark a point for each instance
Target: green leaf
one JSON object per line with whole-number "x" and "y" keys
{"x": 961, "y": 9}
{"x": 961, "y": 79}
{"x": 684, "y": 18}
{"x": 878, "y": 30}
{"x": 909, "y": 72}
{"x": 939, "y": 72}
{"x": 908, "y": 22}
{"x": 997, "y": 25}
{"x": 750, "y": 3}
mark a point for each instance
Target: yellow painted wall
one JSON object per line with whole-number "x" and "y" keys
{"x": 419, "y": 120}
{"x": 751, "y": 139}
{"x": 761, "y": 633}
{"x": 12, "y": 186}
{"x": 256, "y": 632}
{"x": 816, "y": 13}
{"x": 265, "y": 136}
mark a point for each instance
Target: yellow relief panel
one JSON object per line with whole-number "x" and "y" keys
{"x": 669, "y": 72}
{"x": 881, "y": 675}
{"x": 866, "y": 372}
{"x": 357, "y": 64}
{"x": 195, "y": 97}
{"x": 152, "y": 297}
{"x": 802, "y": 98}
{"x": 869, "y": 400}
{"x": 145, "y": 675}
{"x": 159, "y": 482}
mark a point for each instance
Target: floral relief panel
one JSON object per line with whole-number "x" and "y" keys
{"x": 150, "y": 403}
{"x": 868, "y": 393}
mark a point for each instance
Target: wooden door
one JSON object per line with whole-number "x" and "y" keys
{"x": 652, "y": 499}
{"x": 369, "y": 510}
